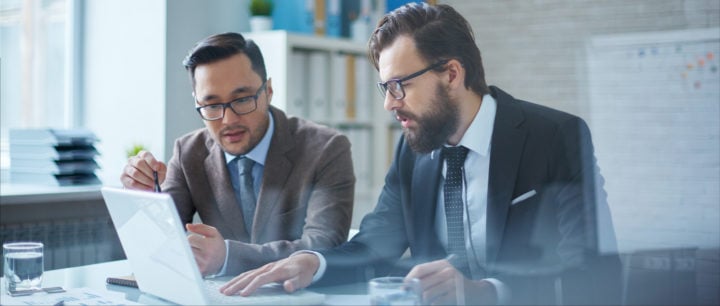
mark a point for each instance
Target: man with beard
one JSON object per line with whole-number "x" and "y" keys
{"x": 497, "y": 199}
{"x": 264, "y": 184}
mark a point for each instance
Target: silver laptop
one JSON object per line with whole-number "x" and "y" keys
{"x": 156, "y": 246}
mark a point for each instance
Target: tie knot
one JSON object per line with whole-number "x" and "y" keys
{"x": 455, "y": 154}
{"x": 245, "y": 164}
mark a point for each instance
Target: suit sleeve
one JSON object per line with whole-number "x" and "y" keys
{"x": 329, "y": 212}
{"x": 382, "y": 238}
{"x": 176, "y": 185}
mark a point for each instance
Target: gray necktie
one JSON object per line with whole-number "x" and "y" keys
{"x": 455, "y": 159}
{"x": 241, "y": 173}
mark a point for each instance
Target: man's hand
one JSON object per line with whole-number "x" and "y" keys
{"x": 295, "y": 272}
{"x": 442, "y": 284}
{"x": 138, "y": 173}
{"x": 208, "y": 247}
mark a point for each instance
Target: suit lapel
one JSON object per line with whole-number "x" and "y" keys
{"x": 423, "y": 198}
{"x": 507, "y": 144}
{"x": 275, "y": 174}
{"x": 219, "y": 178}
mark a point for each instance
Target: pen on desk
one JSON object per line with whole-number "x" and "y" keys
{"x": 157, "y": 182}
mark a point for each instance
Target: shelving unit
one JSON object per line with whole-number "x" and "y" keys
{"x": 330, "y": 81}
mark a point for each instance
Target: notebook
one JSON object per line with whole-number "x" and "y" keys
{"x": 157, "y": 249}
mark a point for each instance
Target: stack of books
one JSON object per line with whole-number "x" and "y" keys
{"x": 57, "y": 157}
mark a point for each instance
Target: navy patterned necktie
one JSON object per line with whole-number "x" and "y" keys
{"x": 453, "y": 196}
{"x": 241, "y": 173}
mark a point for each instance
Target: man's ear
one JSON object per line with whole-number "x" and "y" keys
{"x": 269, "y": 89}
{"x": 456, "y": 74}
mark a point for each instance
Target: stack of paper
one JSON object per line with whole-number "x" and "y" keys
{"x": 53, "y": 157}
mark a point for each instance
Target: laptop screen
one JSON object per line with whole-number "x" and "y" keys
{"x": 155, "y": 244}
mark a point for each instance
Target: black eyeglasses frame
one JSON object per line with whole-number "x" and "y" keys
{"x": 383, "y": 86}
{"x": 229, "y": 105}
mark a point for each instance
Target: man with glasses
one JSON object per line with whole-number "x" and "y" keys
{"x": 497, "y": 200}
{"x": 264, "y": 184}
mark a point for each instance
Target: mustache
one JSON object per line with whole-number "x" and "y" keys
{"x": 233, "y": 128}
{"x": 401, "y": 113}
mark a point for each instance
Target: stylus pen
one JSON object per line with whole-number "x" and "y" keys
{"x": 157, "y": 182}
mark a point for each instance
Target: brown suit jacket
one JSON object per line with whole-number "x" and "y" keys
{"x": 305, "y": 201}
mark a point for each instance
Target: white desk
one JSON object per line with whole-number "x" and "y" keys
{"x": 13, "y": 194}
{"x": 93, "y": 276}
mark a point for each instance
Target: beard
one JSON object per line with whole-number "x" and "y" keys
{"x": 435, "y": 126}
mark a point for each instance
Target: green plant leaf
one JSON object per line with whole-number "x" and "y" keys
{"x": 261, "y": 7}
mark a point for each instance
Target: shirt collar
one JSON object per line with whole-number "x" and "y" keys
{"x": 479, "y": 133}
{"x": 259, "y": 152}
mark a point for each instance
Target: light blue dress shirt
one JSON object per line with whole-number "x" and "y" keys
{"x": 258, "y": 154}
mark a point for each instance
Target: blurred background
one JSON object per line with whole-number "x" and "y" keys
{"x": 643, "y": 74}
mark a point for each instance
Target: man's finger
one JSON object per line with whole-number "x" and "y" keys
{"x": 241, "y": 281}
{"x": 202, "y": 229}
{"x": 429, "y": 274}
{"x": 274, "y": 275}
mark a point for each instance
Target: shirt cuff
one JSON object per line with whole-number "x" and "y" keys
{"x": 502, "y": 290}
{"x": 321, "y": 268}
{"x": 223, "y": 269}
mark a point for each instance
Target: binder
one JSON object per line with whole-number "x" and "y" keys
{"x": 350, "y": 89}
{"x": 333, "y": 25}
{"x": 49, "y": 179}
{"x": 349, "y": 12}
{"x": 57, "y": 157}
{"x": 292, "y": 16}
{"x": 309, "y": 16}
{"x": 361, "y": 150}
{"x": 320, "y": 17}
{"x": 54, "y": 137}
{"x": 364, "y": 93}
{"x": 298, "y": 84}
{"x": 69, "y": 166}
{"x": 319, "y": 85}
{"x": 52, "y": 152}
{"x": 341, "y": 102}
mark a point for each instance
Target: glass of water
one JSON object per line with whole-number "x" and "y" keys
{"x": 394, "y": 290}
{"x": 23, "y": 265}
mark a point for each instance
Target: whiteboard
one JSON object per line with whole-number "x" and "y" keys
{"x": 654, "y": 105}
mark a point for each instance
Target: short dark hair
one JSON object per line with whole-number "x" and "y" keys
{"x": 439, "y": 32}
{"x": 221, "y": 46}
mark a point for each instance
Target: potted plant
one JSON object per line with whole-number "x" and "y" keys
{"x": 261, "y": 15}
{"x": 134, "y": 150}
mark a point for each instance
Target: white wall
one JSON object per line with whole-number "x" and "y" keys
{"x": 189, "y": 21}
{"x": 135, "y": 88}
{"x": 124, "y": 78}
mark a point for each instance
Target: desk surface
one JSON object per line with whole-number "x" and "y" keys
{"x": 11, "y": 193}
{"x": 93, "y": 276}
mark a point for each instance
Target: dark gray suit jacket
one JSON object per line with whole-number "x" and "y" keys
{"x": 546, "y": 242}
{"x": 305, "y": 201}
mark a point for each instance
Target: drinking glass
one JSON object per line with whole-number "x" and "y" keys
{"x": 23, "y": 265}
{"x": 394, "y": 290}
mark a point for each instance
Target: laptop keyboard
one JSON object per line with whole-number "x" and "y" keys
{"x": 267, "y": 295}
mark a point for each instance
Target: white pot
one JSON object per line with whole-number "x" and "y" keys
{"x": 260, "y": 23}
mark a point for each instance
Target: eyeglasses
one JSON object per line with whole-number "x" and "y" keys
{"x": 239, "y": 106}
{"x": 395, "y": 86}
